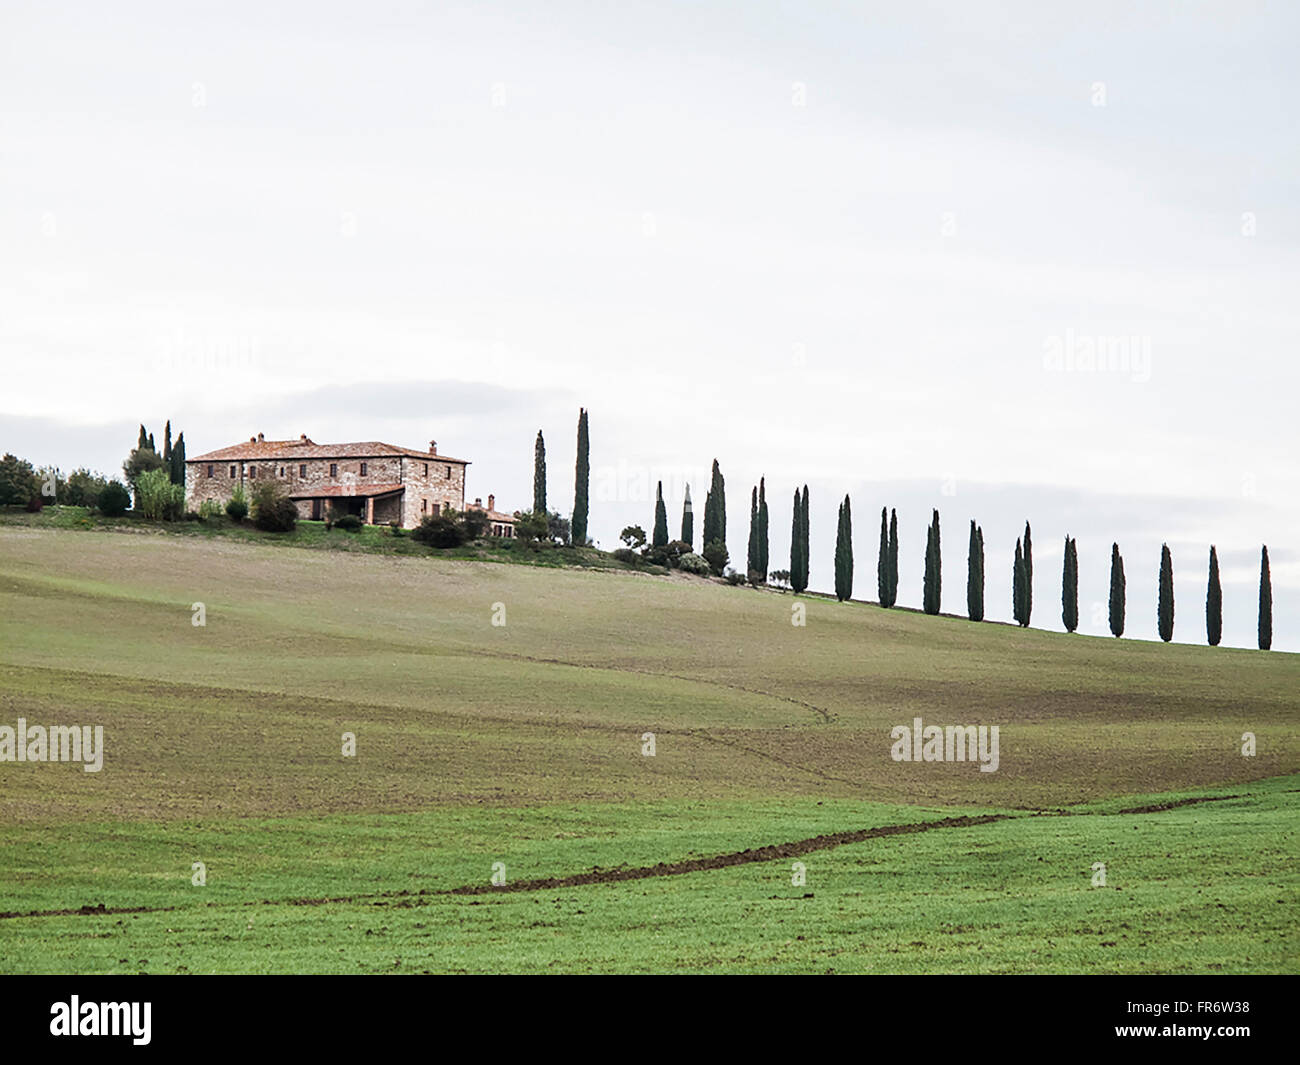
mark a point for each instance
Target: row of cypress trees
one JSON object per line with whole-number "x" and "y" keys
{"x": 715, "y": 529}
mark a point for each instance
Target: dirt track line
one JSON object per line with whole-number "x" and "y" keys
{"x": 825, "y": 715}
{"x": 775, "y": 851}
{"x": 724, "y": 861}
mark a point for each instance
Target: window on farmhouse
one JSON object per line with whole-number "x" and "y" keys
{"x": 449, "y": 473}
{"x": 302, "y": 470}
{"x": 281, "y": 471}
{"x": 334, "y": 469}
{"x": 232, "y": 471}
{"x": 363, "y": 469}
{"x": 252, "y": 472}
{"x": 426, "y": 469}
{"x": 209, "y": 469}
{"x": 437, "y": 509}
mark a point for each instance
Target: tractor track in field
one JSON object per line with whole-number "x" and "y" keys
{"x": 825, "y": 716}
{"x": 622, "y": 874}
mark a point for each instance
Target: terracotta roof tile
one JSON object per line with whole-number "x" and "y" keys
{"x": 296, "y": 450}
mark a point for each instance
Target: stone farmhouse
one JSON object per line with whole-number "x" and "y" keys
{"x": 382, "y": 484}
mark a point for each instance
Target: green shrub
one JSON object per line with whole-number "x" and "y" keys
{"x": 627, "y": 555}
{"x": 693, "y": 563}
{"x": 530, "y": 526}
{"x": 349, "y": 523}
{"x": 444, "y": 530}
{"x": 83, "y": 488}
{"x": 734, "y": 577}
{"x": 237, "y": 508}
{"x": 273, "y": 511}
{"x": 156, "y": 498}
{"x": 114, "y": 499}
{"x": 18, "y": 481}
{"x": 716, "y": 553}
{"x": 209, "y": 509}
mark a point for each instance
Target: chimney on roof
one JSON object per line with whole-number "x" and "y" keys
{"x": 302, "y": 437}
{"x": 252, "y": 440}
{"x": 259, "y": 438}
{"x": 478, "y": 503}
{"x": 492, "y": 501}
{"x": 433, "y": 447}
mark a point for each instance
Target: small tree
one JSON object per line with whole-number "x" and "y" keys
{"x": 661, "y": 518}
{"x": 844, "y": 553}
{"x": 442, "y": 531}
{"x": 1070, "y": 586}
{"x": 1165, "y": 596}
{"x": 157, "y": 499}
{"x": 717, "y": 556}
{"x": 532, "y": 526}
{"x": 114, "y": 499}
{"x": 539, "y": 475}
{"x": 688, "y": 520}
{"x": 1214, "y": 602}
{"x": 633, "y": 536}
{"x": 273, "y": 510}
{"x": 18, "y": 483}
{"x": 974, "y": 573}
{"x": 1116, "y": 592}
{"x": 237, "y": 507}
{"x": 1265, "y": 602}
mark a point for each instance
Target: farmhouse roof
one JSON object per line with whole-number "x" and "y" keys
{"x": 305, "y": 448}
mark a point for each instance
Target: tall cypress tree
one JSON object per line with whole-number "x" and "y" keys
{"x": 844, "y": 553}
{"x": 1165, "y": 597}
{"x": 932, "y": 586}
{"x": 539, "y": 475}
{"x": 144, "y": 439}
{"x": 1070, "y": 586}
{"x": 178, "y": 460}
{"x": 762, "y": 530}
{"x": 1116, "y": 591}
{"x": 715, "y": 510}
{"x": 882, "y": 563}
{"x": 1018, "y": 585}
{"x": 1214, "y": 602}
{"x": 167, "y": 445}
{"x": 975, "y": 575}
{"x": 893, "y": 557}
{"x": 660, "y": 536}
{"x": 804, "y": 543}
{"x": 1265, "y": 602}
{"x": 751, "y": 554}
{"x": 688, "y": 521}
{"x": 1029, "y": 576}
{"x": 581, "y": 481}
{"x": 150, "y": 443}
{"x": 796, "y": 543}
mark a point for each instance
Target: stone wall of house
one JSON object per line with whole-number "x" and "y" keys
{"x": 429, "y": 483}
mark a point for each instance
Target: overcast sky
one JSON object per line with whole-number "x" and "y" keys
{"x": 864, "y": 246}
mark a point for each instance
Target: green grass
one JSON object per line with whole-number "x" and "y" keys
{"x": 521, "y": 744}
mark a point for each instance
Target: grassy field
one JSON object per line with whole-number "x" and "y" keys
{"x": 519, "y": 745}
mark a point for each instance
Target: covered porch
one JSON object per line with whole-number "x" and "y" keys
{"x": 374, "y": 504}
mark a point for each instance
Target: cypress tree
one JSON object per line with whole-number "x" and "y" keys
{"x": 1165, "y": 597}
{"x": 178, "y": 460}
{"x": 1029, "y": 576}
{"x": 539, "y": 475}
{"x": 715, "y": 510}
{"x": 882, "y": 564}
{"x": 796, "y": 542}
{"x": 144, "y": 439}
{"x": 751, "y": 555}
{"x": 931, "y": 592}
{"x": 660, "y": 537}
{"x": 975, "y": 576}
{"x": 1070, "y": 586}
{"x": 1018, "y": 586}
{"x": 1214, "y": 602}
{"x": 167, "y": 445}
{"x": 1265, "y": 603}
{"x": 688, "y": 521}
{"x": 762, "y": 530}
{"x": 893, "y": 557}
{"x": 844, "y": 553}
{"x": 150, "y": 443}
{"x": 581, "y": 481}
{"x": 1116, "y": 591}
{"x": 804, "y": 542}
